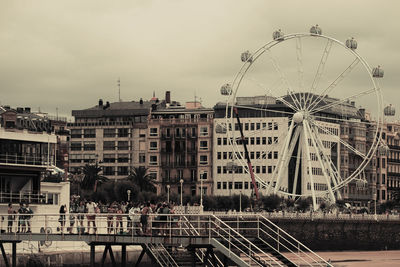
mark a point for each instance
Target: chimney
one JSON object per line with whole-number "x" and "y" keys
{"x": 107, "y": 105}
{"x": 141, "y": 101}
{"x": 20, "y": 110}
{"x": 27, "y": 110}
{"x": 168, "y": 97}
{"x": 100, "y": 102}
{"x": 353, "y": 103}
{"x": 7, "y": 107}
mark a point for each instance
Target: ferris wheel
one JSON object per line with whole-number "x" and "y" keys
{"x": 292, "y": 115}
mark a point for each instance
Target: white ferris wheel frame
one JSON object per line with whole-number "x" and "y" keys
{"x": 378, "y": 123}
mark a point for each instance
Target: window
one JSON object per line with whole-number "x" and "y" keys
{"x": 153, "y": 160}
{"x": 123, "y": 132}
{"x": 123, "y": 158}
{"x": 203, "y": 175}
{"x": 238, "y": 185}
{"x": 203, "y": 160}
{"x": 87, "y": 158}
{"x": 76, "y": 146}
{"x": 193, "y": 174}
{"x": 123, "y": 145}
{"x": 153, "y": 145}
{"x": 218, "y": 185}
{"x": 89, "y": 133}
{"x": 89, "y": 145}
{"x": 109, "y": 170}
{"x": 122, "y": 170}
{"x": 219, "y": 141}
{"x": 142, "y": 157}
{"x": 219, "y": 155}
{"x": 109, "y": 132}
{"x": 218, "y": 169}
{"x": 203, "y": 145}
{"x": 275, "y": 154}
{"x": 223, "y": 185}
{"x": 75, "y": 158}
{"x": 76, "y": 133}
{"x": 275, "y": 126}
{"x": 109, "y": 158}
{"x": 203, "y": 131}
{"x": 109, "y": 145}
{"x": 153, "y": 131}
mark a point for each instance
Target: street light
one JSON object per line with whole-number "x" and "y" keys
{"x": 240, "y": 202}
{"x": 181, "y": 181}
{"x": 375, "y": 204}
{"x": 168, "y": 187}
{"x": 129, "y": 194}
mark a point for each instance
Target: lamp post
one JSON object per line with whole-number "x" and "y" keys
{"x": 240, "y": 202}
{"x": 201, "y": 191}
{"x": 168, "y": 187}
{"x": 375, "y": 205}
{"x": 181, "y": 181}
{"x": 129, "y": 194}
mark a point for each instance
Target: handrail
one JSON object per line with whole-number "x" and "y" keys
{"x": 242, "y": 237}
{"x": 299, "y": 244}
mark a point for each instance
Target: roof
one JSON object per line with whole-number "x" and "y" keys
{"x": 127, "y": 108}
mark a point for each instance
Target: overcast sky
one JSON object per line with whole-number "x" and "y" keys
{"x": 68, "y": 54}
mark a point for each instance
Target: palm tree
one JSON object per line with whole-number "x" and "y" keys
{"x": 142, "y": 179}
{"x": 91, "y": 177}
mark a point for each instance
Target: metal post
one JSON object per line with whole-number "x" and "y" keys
{"x": 14, "y": 254}
{"x": 92, "y": 255}
{"x": 240, "y": 202}
{"x": 168, "y": 187}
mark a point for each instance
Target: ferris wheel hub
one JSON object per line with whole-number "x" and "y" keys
{"x": 298, "y": 117}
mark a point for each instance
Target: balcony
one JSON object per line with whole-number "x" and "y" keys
{"x": 393, "y": 160}
{"x": 394, "y": 147}
{"x": 28, "y": 160}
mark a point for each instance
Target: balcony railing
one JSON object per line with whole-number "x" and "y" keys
{"x": 25, "y": 197}
{"x": 8, "y": 158}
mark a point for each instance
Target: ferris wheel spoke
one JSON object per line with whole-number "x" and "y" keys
{"x": 344, "y": 143}
{"x": 263, "y": 109}
{"x": 320, "y": 71}
{"x": 318, "y": 152}
{"x": 344, "y": 100}
{"x": 284, "y": 80}
{"x": 329, "y": 89}
{"x": 300, "y": 69}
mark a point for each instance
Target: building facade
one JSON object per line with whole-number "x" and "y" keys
{"x": 180, "y": 149}
{"x": 112, "y": 134}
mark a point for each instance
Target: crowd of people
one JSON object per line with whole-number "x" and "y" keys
{"x": 122, "y": 217}
{"x": 23, "y": 215}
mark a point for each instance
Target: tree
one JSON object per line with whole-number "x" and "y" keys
{"x": 91, "y": 177}
{"x": 142, "y": 179}
{"x": 271, "y": 202}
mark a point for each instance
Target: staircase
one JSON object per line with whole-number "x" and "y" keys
{"x": 160, "y": 255}
{"x": 274, "y": 241}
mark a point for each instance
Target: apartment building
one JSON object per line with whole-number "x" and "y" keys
{"x": 113, "y": 134}
{"x": 179, "y": 148}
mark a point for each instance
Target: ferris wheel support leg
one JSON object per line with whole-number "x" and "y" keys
{"x": 310, "y": 168}
{"x": 289, "y": 154}
{"x": 277, "y": 170}
{"x": 282, "y": 158}
{"x": 323, "y": 167}
{"x": 331, "y": 166}
{"x": 296, "y": 172}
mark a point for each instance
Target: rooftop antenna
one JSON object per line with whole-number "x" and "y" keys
{"x": 119, "y": 89}
{"x": 57, "y": 112}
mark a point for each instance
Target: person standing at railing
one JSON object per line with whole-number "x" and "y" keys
{"x": 91, "y": 208}
{"x": 11, "y": 217}
{"x": 61, "y": 219}
{"x": 119, "y": 225}
{"x": 21, "y": 218}
{"x": 81, "y": 210}
{"x": 28, "y": 217}
{"x": 144, "y": 218}
{"x": 110, "y": 218}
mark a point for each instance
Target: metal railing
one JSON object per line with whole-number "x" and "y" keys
{"x": 236, "y": 238}
{"x": 161, "y": 255}
{"x": 27, "y": 159}
{"x": 275, "y": 239}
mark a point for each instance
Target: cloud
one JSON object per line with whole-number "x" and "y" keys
{"x": 67, "y": 54}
